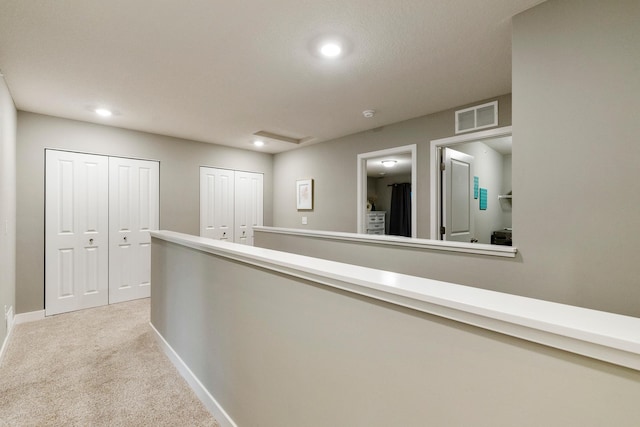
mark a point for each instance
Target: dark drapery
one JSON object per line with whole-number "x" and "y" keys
{"x": 400, "y": 216}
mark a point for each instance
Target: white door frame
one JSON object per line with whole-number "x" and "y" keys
{"x": 362, "y": 183}
{"x": 434, "y": 168}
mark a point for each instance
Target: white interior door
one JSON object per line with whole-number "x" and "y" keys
{"x": 457, "y": 191}
{"x": 133, "y": 211}
{"x": 76, "y": 237}
{"x": 248, "y": 205}
{"x": 216, "y": 203}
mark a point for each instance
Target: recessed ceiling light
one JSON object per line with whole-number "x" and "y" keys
{"x": 258, "y": 143}
{"x": 331, "y": 49}
{"x": 388, "y": 163}
{"x": 103, "y": 112}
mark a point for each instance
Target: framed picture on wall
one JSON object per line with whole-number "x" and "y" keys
{"x": 304, "y": 194}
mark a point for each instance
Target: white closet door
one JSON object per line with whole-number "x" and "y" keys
{"x": 76, "y": 240}
{"x": 216, "y": 203}
{"x": 133, "y": 211}
{"x": 248, "y": 205}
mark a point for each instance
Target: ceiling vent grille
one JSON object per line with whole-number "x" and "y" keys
{"x": 478, "y": 117}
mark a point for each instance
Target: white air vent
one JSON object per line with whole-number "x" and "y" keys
{"x": 478, "y": 117}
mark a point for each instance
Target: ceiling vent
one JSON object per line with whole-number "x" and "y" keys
{"x": 283, "y": 138}
{"x": 478, "y": 117}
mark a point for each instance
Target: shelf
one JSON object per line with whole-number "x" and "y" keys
{"x": 505, "y": 196}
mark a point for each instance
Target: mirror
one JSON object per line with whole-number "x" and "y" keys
{"x": 386, "y": 192}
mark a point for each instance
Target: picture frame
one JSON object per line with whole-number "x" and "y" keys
{"x": 304, "y": 194}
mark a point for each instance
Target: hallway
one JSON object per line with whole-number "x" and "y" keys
{"x": 94, "y": 367}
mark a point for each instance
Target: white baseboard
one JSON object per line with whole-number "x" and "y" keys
{"x": 10, "y": 322}
{"x": 31, "y": 316}
{"x": 13, "y": 320}
{"x": 199, "y": 389}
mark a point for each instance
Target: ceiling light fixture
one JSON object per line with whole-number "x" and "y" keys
{"x": 389, "y": 163}
{"x": 331, "y": 49}
{"x": 258, "y": 143}
{"x": 103, "y": 112}
{"x": 369, "y": 113}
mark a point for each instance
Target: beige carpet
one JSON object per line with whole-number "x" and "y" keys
{"x": 94, "y": 367}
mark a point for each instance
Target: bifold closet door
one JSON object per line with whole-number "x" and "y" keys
{"x": 76, "y": 236}
{"x": 133, "y": 212}
{"x": 248, "y": 205}
{"x": 216, "y": 203}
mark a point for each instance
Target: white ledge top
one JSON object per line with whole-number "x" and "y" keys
{"x": 600, "y": 335}
{"x": 435, "y": 245}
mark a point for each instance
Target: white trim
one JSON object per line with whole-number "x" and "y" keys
{"x": 31, "y": 316}
{"x": 600, "y": 335}
{"x": 362, "y": 179}
{"x": 434, "y": 176}
{"x": 198, "y": 388}
{"x": 425, "y": 244}
{"x": 10, "y": 324}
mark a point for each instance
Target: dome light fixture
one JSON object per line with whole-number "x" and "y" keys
{"x": 389, "y": 163}
{"x": 258, "y": 143}
{"x": 103, "y": 112}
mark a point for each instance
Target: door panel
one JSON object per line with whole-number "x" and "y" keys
{"x": 457, "y": 191}
{"x": 133, "y": 206}
{"x": 76, "y": 259}
{"x": 216, "y": 203}
{"x": 248, "y": 205}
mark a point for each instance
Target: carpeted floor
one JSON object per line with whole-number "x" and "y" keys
{"x": 96, "y": 367}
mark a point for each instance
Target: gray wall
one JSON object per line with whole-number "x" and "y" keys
{"x": 576, "y": 156}
{"x": 333, "y": 166}
{"x": 179, "y": 182}
{"x": 576, "y": 212}
{"x": 7, "y": 204}
{"x": 275, "y": 350}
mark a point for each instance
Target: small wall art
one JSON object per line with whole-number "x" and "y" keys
{"x": 483, "y": 199}
{"x": 476, "y": 185}
{"x": 304, "y": 194}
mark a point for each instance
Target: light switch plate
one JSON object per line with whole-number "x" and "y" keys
{"x": 304, "y": 220}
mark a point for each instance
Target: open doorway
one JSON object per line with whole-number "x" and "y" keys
{"x": 386, "y": 192}
{"x": 471, "y": 195}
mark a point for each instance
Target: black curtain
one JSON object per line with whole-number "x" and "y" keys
{"x": 400, "y": 216}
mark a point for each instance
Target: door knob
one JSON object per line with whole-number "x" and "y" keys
{"x": 91, "y": 241}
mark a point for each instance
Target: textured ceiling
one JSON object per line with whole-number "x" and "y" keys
{"x": 219, "y": 71}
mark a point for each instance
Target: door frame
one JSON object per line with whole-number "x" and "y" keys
{"x": 362, "y": 184}
{"x": 434, "y": 169}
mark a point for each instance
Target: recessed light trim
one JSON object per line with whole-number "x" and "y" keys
{"x": 103, "y": 112}
{"x": 330, "y": 49}
{"x": 389, "y": 163}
